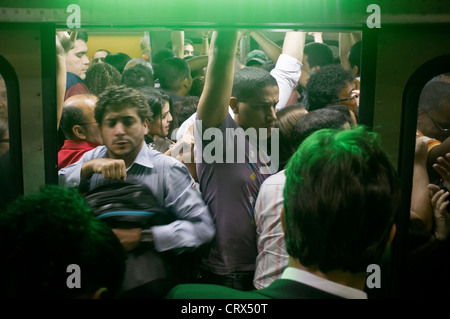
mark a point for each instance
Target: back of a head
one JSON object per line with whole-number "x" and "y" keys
{"x": 160, "y": 56}
{"x": 287, "y": 118}
{"x": 172, "y": 72}
{"x": 101, "y": 75}
{"x": 341, "y": 197}
{"x": 118, "y": 60}
{"x": 354, "y": 56}
{"x": 319, "y": 54}
{"x": 249, "y": 80}
{"x": 138, "y": 76}
{"x": 185, "y": 107}
{"x": 73, "y": 114}
{"x": 325, "y": 84}
{"x": 314, "y": 121}
{"x": 41, "y": 234}
{"x": 435, "y": 96}
{"x": 345, "y": 112}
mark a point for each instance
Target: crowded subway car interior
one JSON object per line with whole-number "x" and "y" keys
{"x": 397, "y": 54}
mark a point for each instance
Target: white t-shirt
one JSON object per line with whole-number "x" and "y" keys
{"x": 287, "y": 72}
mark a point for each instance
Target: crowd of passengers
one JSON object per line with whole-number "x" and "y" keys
{"x": 156, "y": 197}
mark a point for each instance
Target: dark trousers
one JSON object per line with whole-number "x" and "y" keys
{"x": 242, "y": 280}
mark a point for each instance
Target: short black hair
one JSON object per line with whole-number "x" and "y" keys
{"x": 138, "y": 76}
{"x": 121, "y": 94}
{"x": 42, "y": 233}
{"x": 314, "y": 121}
{"x": 249, "y": 80}
{"x": 319, "y": 54}
{"x": 71, "y": 115}
{"x": 354, "y": 56}
{"x": 325, "y": 84}
{"x": 171, "y": 72}
{"x": 118, "y": 60}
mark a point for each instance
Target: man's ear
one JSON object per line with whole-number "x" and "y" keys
{"x": 234, "y": 105}
{"x": 146, "y": 126}
{"x": 187, "y": 84}
{"x": 314, "y": 69}
{"x": 78, "y": 131}
{"x": 355, "y": 70}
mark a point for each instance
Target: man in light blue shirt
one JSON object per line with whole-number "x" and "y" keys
{"x": 122, "y": 114}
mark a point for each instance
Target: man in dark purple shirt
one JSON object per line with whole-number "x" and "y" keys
{"x": 232, "y": 160}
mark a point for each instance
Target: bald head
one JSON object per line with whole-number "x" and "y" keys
{"x": 77, "y": 119}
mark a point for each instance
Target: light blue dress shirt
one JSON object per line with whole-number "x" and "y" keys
{"x": 173, "y": 186}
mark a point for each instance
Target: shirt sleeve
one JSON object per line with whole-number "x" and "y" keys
{"x": 194, "y": 225}
{"x": 287, "y": 72}
{"x": 70, "y": 176}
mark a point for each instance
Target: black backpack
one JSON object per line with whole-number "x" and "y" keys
{"x": 149, "y": 273}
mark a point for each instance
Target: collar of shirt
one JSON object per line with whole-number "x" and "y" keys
{"x": 322, "y": 284}
{"x": 145, "y": 157}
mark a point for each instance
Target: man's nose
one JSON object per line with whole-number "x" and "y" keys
{"x": 272, "y": 114}
{"x": 119, "y": 129}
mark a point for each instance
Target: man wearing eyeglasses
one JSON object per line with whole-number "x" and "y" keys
{"x": 79, "y": 127}
{"x": 433, "y": 121}
{"x": 434, "y": 110}
{"x": 331, "y": 85}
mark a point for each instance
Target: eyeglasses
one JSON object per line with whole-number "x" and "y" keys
{"x": 96, "y": 60}
{"x": 443, "y": 130}
{"x": 353, "y": 97}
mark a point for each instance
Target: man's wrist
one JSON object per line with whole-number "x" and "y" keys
{"x": 147, "y": 236}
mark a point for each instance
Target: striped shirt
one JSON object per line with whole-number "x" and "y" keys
{"x": 272, "y": 256}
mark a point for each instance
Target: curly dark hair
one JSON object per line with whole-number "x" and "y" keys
{"x": 101, "y": 75}
{"x": 138, "y": 76}
{"x": 325, "y": 84}
{"x": 42, "y": 233}
{"x": 122, "y": 94}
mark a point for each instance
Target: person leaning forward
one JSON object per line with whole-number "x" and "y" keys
{"x": 122, "y": 114}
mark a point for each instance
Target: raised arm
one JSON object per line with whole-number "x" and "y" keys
{"x": 177, "y": 38}
{"x": 294, "y": 44}
{"x": 272, "y": 50}
{"x": 204, "y": 50}
{"x": 287, "y": 70}
{"x": 345, "y": 43}
{"x": 197, "y": 62}
{"x": 214, "y": 101}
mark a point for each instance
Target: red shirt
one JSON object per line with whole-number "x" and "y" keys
{"x": 72, "y": 151}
